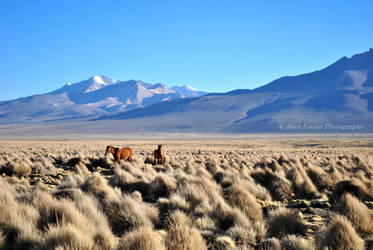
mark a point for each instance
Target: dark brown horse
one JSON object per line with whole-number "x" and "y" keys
{"x": 158, "y": 155}
{"x": 120, "y": 153}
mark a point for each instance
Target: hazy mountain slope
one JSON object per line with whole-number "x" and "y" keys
{"x": 340, "y": 74}
{"x": 339, "y": 94}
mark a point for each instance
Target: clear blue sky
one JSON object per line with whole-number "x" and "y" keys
{"x": 210, "y": 44}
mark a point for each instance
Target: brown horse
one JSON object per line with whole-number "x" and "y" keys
{"x": 120, "y": 153}
{"x": 158, "y": 155}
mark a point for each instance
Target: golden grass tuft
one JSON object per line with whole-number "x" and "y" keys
{"x": 339, "y": 234}
{"x": 284, "y": 221}
{"x": 216, "y": 195}
{"x": 356, "y": 211}
{"x": 141, "y": 239}
{"x": 238, "y": 196}
{"x": 269, "y": 244}
{"x": 293, "y": 242}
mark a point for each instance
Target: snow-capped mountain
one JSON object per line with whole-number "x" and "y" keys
{"x": 98, "y": 95}
{"x": 187, "y": 91}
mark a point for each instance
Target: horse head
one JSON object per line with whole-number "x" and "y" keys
{"x": 109, "y": 149}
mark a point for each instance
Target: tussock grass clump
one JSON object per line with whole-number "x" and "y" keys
{"x": 162, "y": 186}
{"x": 16, "y": 168}
{"x": 269, "y": 244}
{"x": 247, "y": 235}
{"x": 339, "y": 234}
{"x": 255, "y": 189}
{"x": 354, "y": 187}
{"x": 279, "y": 188}
{"x": 224, "y": 242}
{"x": 54, "y": 212}
{"x": 238, "y": 196}
{"x": 320, "y": 178}
{"x": 96, "y": 185}
{"x": 181, "y": 236}
{"x": 67, "y": 237}
{"x": 293, "y": 242}
{"x": 125, "y": 215}
{"x": 356, "y": 212}
{"x": 284, "y": 221}
{"x": 215, "y": 197}
{"x": 2, "y": 240}
{"x": 302, "y": 185}
{"x": 228, "y": 217}
{"x": 141, "y": 239}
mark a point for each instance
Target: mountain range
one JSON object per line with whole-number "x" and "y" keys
{"x": 338, "y": 98}
{"x": 98, "y": 95}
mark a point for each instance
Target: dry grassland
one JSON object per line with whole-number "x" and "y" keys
{"x": 263, "y": 194}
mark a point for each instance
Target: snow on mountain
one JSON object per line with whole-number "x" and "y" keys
{"x": 97, "y": 95}
{"x": 86, "y": 86}
{"x": 187, "y": 91}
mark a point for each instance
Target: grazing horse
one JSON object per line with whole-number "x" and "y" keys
{"x": 158, "y": 155}
{"x": 120, "y": 153}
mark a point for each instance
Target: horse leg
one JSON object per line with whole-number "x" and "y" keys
{"x": 118, "y": 157}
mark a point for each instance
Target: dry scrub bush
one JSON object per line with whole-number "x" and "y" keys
{"x": 284, "y": 221}
{"x": 339, "y": 234}
{"x": 293, "y": 242}
{"x": 180, "y": 236}
{"x": 141, "y": 239}
{"x": 356, "y": 212}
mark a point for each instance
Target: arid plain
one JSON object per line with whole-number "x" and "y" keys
{"x": 251, "y": 193}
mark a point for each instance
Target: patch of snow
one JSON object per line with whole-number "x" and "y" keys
{"x": 190, "y": 88}
{"x": 99, "y": 82}
{"x": 162, "y": 90}
{"x": 107, "y": 102}
{"x": 98, "y": 79}
{"x": 358, "y": 77}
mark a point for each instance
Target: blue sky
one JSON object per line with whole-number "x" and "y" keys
{"x": 212, "y": 45}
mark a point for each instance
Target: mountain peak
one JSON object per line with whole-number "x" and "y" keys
{"x": 187, "y": 91}
{"x": 98, "y": 79}
{"x": 99, "y": 82}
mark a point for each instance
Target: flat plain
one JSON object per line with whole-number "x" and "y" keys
{"x": 240, "y": 193}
